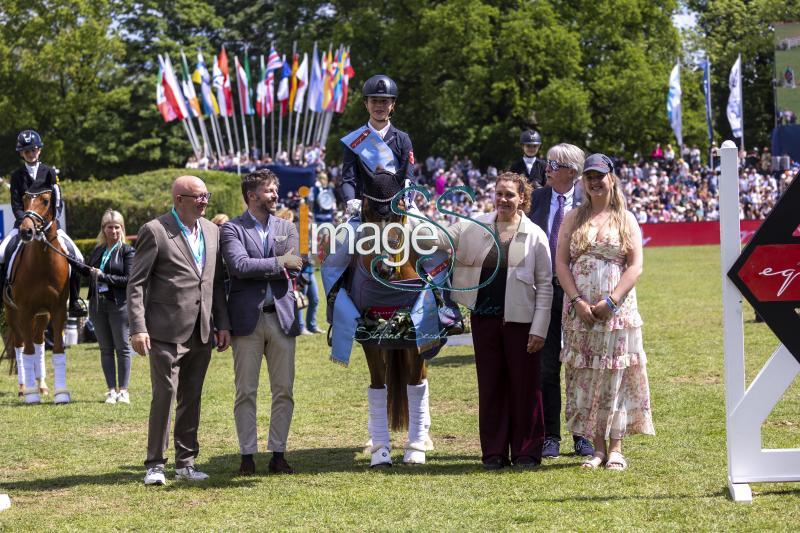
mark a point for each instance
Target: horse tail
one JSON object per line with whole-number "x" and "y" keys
{"x": 397, "y": 371}
{"x": 6, "y": 334}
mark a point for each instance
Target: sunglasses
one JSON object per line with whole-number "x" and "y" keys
{"x": 205, "y": 197}
{"x": 554, "y": 165}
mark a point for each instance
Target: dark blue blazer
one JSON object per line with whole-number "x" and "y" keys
{"x": 400, "y": 144}
{"x": 540, "y": 204}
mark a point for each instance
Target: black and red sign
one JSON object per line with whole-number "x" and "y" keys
{"x": 767, "y": 273}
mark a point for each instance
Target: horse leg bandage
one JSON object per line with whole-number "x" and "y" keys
{"x": 426, "y": 410}
{"x": 38, "y": 351}
{"x": 378, "y": 423}
{"x": 61, "y": 394}
{"x": 417, "y": 427}
{"x": 20, "y": 366}
{"x": 31, "y": 392}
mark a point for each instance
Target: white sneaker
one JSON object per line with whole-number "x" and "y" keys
{"x": 155, "y": 476}
{"x": 123, "y": 397}
{"x": 111, "y": 397}
{"x": 189, "y": 473}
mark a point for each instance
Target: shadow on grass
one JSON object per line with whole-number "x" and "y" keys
{"x": 452, "y": 360}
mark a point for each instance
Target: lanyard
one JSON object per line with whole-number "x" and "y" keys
{"x": 107, "y": 256}
{"x": 200, "y": 250}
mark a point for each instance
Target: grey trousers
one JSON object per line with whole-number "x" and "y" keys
{"x": 111, "y": 327}
{"x": 267, "y": 339}
{"x": 177, "y": 372}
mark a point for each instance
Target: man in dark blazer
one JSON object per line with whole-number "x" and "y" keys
{"x": 549, "y": 204}
{"x": 529, "y": 165}
{"x": 261, "y": 253}
{"x": 177, "y": 313}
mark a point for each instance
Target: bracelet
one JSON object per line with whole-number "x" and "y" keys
{"x": 611, "y": 304}
{"x": 575, "y": 299}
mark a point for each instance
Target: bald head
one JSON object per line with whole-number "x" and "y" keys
{"x": 187, "y": 185}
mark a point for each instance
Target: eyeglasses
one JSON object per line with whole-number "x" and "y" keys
{"x": 205, "y": 197}
{"x": 554, "y": 165}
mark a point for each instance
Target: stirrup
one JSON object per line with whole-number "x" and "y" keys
{"x": 61, "y": 396}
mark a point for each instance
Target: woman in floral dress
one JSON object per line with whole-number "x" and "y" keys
{"x": 598, "y": 261}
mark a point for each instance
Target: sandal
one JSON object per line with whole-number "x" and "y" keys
{"x": 595, "y": 461}
{"x": 616, "y": 461}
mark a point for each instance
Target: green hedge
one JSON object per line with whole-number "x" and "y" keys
{"x": 141, "y": 198}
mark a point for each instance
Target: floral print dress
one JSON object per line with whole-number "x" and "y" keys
{"x": 607, "y": 390}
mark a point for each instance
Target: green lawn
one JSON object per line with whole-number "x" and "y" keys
{"x": 80, "y": 466}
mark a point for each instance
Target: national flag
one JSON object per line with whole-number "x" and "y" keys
{"x": 274, "y": 60}
{"x": 734, "y": 110}
{"x": 293, "y": 90}
{"x": 315, "y": 86}
{"x": 249, "y": 83}
{"x": 172, "y": 90}
{"x": 302, "y": 84}
{"x": 327, "y": 88}
{"x": 201, "y": 77}
{"x": 706, "y": 66}
{"x": 283, "y": 87}
{"x": 674, "y": 103}
{"x": 188, "y": 88}
{"x": 219, "y": 87}
{"x": 347, "y": 73}
{"x": 161, "y": 100}
{"x": 226, "y": 87}
{"x": 242, "y": 87}
{"x": 337, "y": 79}
{"x": 264, "y": 93}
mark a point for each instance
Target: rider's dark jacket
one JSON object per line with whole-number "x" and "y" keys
{"x": 22, "y": 182}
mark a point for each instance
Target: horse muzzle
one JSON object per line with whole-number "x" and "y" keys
{"x": 26, "y": 234}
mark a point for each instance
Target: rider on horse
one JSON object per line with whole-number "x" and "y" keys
{"x": 33, "y": 176}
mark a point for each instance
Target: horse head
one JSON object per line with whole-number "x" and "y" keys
{"x": 39, "y": 214}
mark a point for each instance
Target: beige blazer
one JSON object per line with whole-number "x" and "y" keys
{"x": 166, "y": 293}
{"x": 529, "y": 281}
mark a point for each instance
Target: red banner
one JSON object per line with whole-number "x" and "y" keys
{"x": 772, "y": 271}
{"x": 691, "y": 233}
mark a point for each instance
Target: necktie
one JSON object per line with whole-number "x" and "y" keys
{"x": 559, "y": 217}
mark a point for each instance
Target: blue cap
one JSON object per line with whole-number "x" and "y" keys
{"x": 598, "y": 162}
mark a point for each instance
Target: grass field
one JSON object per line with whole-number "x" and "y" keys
{"x": 80, "y": 466}
{"x": 788, "y": 98}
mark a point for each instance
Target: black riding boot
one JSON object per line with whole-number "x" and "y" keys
{"x": 76, "y": 310}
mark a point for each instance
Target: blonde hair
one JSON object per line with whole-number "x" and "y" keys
{"x": 220, "y": 218}
{"x": 524, "y": 188}
{"x": 286, "y": 214}
{"x": 617, "y": 219}
{"x": 110, "y": 217}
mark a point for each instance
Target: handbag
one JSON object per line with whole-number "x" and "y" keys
{"x": 300, "y": 298}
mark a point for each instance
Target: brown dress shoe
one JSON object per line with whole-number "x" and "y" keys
{"x": 248, "y": 466}
{"x": 280, "y": 466}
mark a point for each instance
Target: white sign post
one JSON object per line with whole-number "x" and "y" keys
{"x": 746, "y": 409}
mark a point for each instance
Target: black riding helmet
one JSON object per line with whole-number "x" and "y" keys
{"x": 28, "y": 139}
{"x": 380, "y": 85}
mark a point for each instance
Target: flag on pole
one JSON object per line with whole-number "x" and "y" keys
{"x": 164, "y": 106}
{"x": 327, "y": 87}
{"x": 283, "y": 87}
{"x": 188, "y": 88}
{"x": 293, "y": 90}
{"x": 242, "y": 87}
{"x": 219, "y": 87}
{"x": 315, "y": 86}
{"x": 201, "y": 77}
{"x": 337, "y": 79}
{"x": 674, "y": 103}
{"x": 347, "y": 73}
{"x": 734, "y": 110}
{"x": 265, "y": 95}
{"x": 706, "y": 66}
{"x": 274, "y": 60}
{"x": 226, "y": 86}
{"x": 172, "y": 91}
{"x": 302, "y": 84}
{"x": 249, "y": 83}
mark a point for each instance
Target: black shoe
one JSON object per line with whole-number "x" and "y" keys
{"x": 279, "y": 466}
{"x": 526, "y": 462}
{"x": 583, "y": 447}
{"x": 248, "y": 466}
{"x": 551, "y": 448}
{"x": 495, "y": 463}
{"x": 76, "y": 310}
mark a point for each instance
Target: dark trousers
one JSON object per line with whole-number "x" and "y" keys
{"x": 177, "y": 372}
{"x": 509, "y": 396}
{"x": 551, "y": 368}
{"x": 111, "y": 327}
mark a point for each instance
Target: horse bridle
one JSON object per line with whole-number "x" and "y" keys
{"x": 41, "y": 226}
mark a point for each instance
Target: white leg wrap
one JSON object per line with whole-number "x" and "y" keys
{"x": 31, "y": 392}
{"x": 61, "y": 394}
{"x": 378, "y": 426}
{"x": 38, "y": 351}
{"x": 426, "y": 407}
{"x": 20, "y": 366}
{"x": 417, "y": 428}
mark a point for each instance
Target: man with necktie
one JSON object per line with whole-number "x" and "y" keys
{"x": 549, "y": 205}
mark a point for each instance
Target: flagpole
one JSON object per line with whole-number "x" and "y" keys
{"x": 228, "y": 131}
{"x": 242, "y": 112}
{"x": 263, "y": 111}
{"x": 741, "y": 101}
{"x": 206, "y": 141}
{"x": 191, "y": 139}
{"x": 291, "y": 107}
{"x": 215, "y": 134}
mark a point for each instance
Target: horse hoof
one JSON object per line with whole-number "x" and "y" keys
{"x": 61, "y": 398}
{"x": 381, "y": 458}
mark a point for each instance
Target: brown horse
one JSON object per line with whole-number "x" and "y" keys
{"x": 398, "y": 384}
{"x": 37, "y": 294}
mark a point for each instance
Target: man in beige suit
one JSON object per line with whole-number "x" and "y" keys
{"x": 176, "y": 302}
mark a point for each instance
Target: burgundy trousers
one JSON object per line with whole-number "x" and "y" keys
{"x": 510, "y": 415}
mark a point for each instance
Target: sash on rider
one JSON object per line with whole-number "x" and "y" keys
{"x": 371, "y": 149}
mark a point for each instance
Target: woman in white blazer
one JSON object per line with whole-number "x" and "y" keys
{"x": 505, "y": 279}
